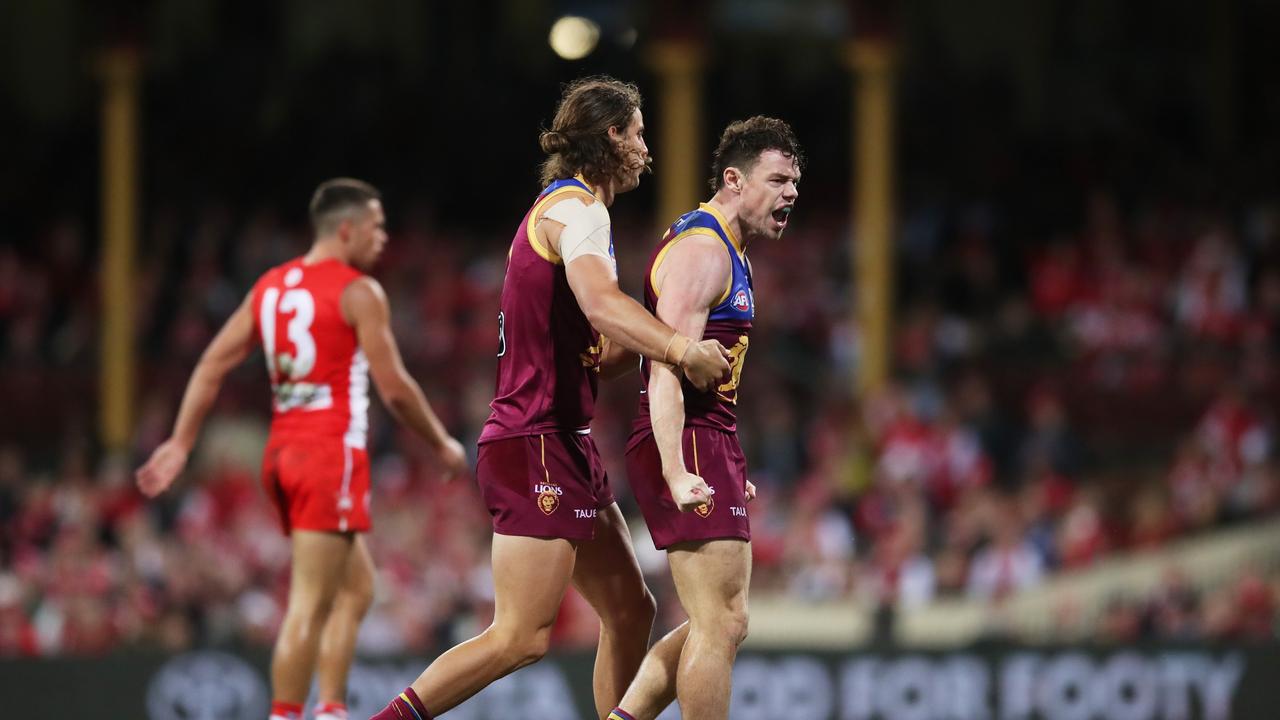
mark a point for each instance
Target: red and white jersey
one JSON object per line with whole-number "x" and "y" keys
{"x": 319, "y": 375}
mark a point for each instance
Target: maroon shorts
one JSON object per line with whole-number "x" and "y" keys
{"x": 317, "y": 484}
{"x": 546, "y": 486}
{"x": 714, "y": 455}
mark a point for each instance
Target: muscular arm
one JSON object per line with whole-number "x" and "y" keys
{"x": 690, "y": 282}
{"x": 626, "y": 322}
{"x": 365, "y": 306}
{"x": 229, "y": 348}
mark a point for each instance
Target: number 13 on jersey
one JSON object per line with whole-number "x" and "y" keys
{"x": 288, "y": 370}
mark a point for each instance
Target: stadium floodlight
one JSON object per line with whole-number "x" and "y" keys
{"x": 573, "y": 37}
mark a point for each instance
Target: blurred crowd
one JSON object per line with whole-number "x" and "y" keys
{"x": 1059, "y": 398}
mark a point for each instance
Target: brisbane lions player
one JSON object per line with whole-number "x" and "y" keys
{"x": 324, "y": 327}
{"x": 562, "y": 323}
{"x": 685, "y": 442}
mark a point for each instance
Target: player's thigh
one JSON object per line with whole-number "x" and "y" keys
{"x": 607, "y": 572}
{"x": 711, "y": 576}
{"x": 320, "y": 564}
{"x": 530, "y": 576}
{"x": 359, "y": 576}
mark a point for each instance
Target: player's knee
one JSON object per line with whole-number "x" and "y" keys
{"x": 357, "y": 598}
{"x": 635, "y": 615}
{"x": 729, "y": 626}
{"x": 736, "y": 625}
{"x": 309, "y": 613}
{"x": 357, "y": 592}
{"x": 523, "y": 647}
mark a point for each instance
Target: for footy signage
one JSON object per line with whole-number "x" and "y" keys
{"x": 988, "y": 683}
{"x": 1015, "y": 686}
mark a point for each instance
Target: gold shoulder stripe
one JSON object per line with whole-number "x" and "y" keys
{"x": 543, "y": 251}
{"x": 662, "y": 255}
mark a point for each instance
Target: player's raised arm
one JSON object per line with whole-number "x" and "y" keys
{"x": 365, "y": 306}
{"x": 581, "y": 237}
{"x": 229, "y": 348}
{"x": 689, "y": 284}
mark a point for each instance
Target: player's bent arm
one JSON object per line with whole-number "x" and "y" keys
{"x": 365, "y": 307}
{"x": 627, "y": 323}
{"x": 583, "y": 245}
{"x": 229, "y": 348}
{"x": 690, "y": 282}
{"x": 618, "y": 315}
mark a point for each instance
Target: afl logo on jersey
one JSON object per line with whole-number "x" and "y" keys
{"x": 548, "y": 496}
{"x": 741, "y": 302}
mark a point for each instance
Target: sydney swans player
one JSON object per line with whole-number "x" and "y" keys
{"x": 563, "y": 322}
{"x": 324, "y": 326}
{"x": 683, "y": 460}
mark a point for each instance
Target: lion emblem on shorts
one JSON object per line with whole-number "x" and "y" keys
{"x": 548, "y": 496}
{"x": 705, "y": 508}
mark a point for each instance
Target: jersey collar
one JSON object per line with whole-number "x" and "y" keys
{"x": 728, "y": 229}
{"x": 590, "y": 188}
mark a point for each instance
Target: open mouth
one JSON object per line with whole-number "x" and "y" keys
{"x": 781, "y": 214}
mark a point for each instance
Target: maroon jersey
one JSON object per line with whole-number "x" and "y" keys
{"x": 548, "y": 354}
{"x": 729, "y": 322}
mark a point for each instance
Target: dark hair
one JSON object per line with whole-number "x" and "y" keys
{"x": 744, "y": 140}
{"x": 578, "y": 141}
{"x": 337, "y": 196}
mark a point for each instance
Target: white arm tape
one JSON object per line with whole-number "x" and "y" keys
{"x": 586, "y": 228}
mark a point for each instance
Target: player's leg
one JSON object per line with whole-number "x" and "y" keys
{"x": 320, "y": 562}
{"x": 608, "y": 576}
{"x": 699, "y": 568}
{"x": 530, "y": 576}
{"x": 711, "y": 578}
{"x": 338, "y": 640}
{"x": 654, "y": 687}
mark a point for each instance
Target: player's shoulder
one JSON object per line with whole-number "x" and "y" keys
{"x": 694, "y": 223}
{"x": 364, "y": 291}
{"x": 700, "y": 246}
{"x": 694, "y": 252}
{"x": 331, "y": 274}
{"x": 571, "y": 196}
{"x": 696, "y": 219}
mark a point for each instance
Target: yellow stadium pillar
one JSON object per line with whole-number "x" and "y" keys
{"x": 119, "y": 75}
{"x": 679, "y": 157}
{"x": 872, "y": 62}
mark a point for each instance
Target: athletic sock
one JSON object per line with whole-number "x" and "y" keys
{"x": 620, "y": 714}
{"x": 285, "y": 711}
{"x": 405, "y": 706}
{"x": 331, "y": 711}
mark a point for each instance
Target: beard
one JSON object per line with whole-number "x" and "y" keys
{"x": 634, "y": 164}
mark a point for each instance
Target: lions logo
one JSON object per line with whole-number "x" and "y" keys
{"x": 705, "y": 508}
{"x": 741, "y": 302}
{"x": 548, "y": 496}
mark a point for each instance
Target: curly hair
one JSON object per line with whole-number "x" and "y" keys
{"x": 743, "y": 141}
{"x": 578, "y": 140}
